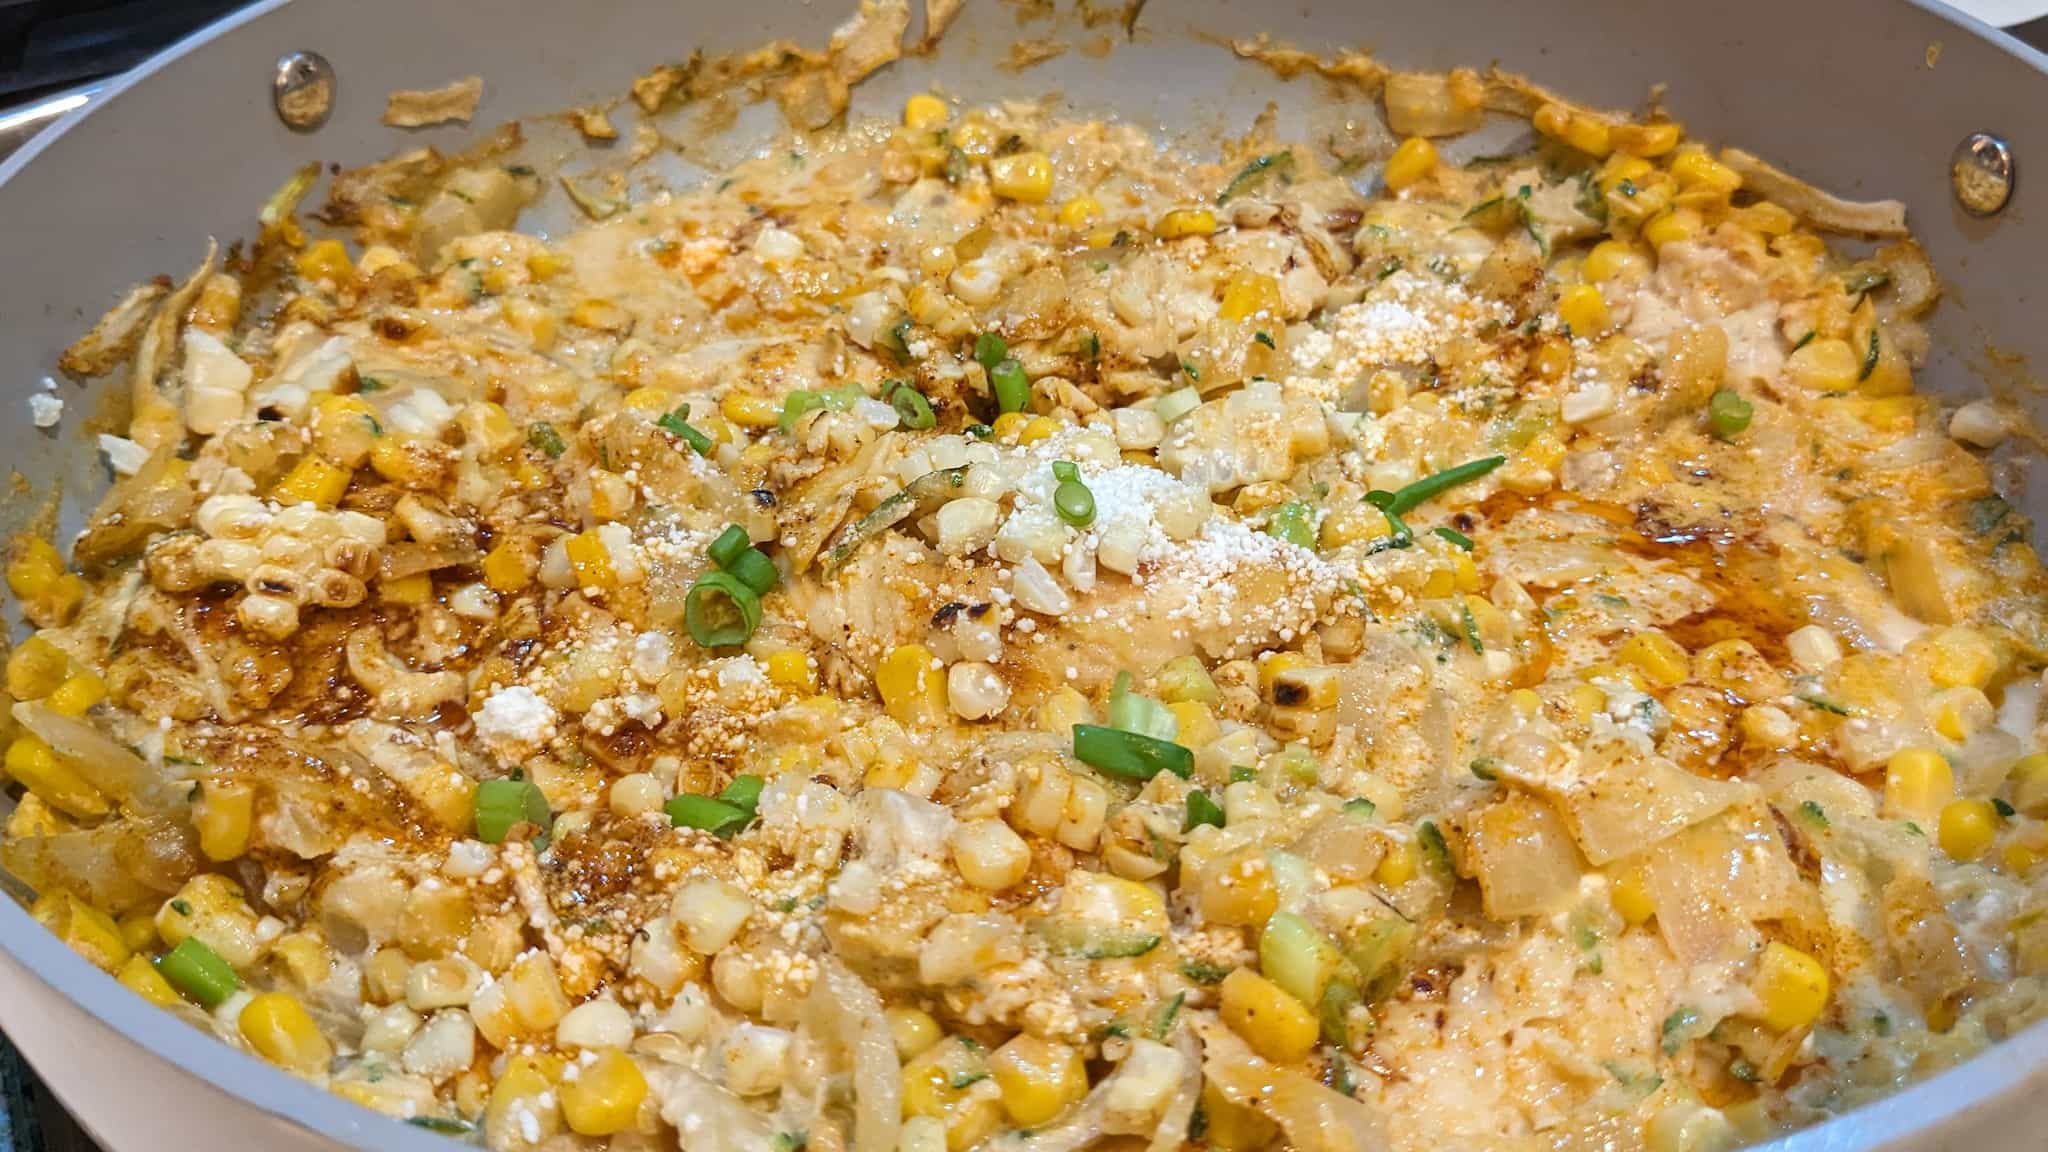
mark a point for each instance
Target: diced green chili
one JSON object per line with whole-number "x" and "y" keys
{"x": 1129, "y": 756}
{"x": 1293, "y": 522}
{"x": 199, "y": 973}
{"x": 1202, "y": 810}
{"x": 503, "y": 804}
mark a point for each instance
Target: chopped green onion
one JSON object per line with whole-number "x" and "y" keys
{"x": 369, "y": 384}
{"x": 1455, "y": 537}
{"x": 1072, "y": 499}
{"x": 503, "y": 804}
{"x": 677, "y": 423}
{"x": 1430, "y": 487}
{"x": 542, "y": 436}
{"x": 911, "y": 407}
{"x": 1805, "y": 340}
{"x": 730, "y": 543}
{"x": 990, "y": 350}
{"x": 1129, "y": 756}
{"x": 743, "y": 792}
{"x": 1013, "y": 388}
{"x": 1193, "y": 370}
{"x": 1135, "y": 712}
{"x": 1280, "y": 162}
{"x": 442, "y": 1124}
{"x": 1202, "y": 810}
{"x": 1361, "y": 807}
{"x": 1091, "y": 346}
{"x": 198, "y": 972}
{"x": 721, "y": 610}
{"x": 1870, "y": 356}
{"x": 1293, "y": 523}
{"x": 1177, "y": 404}
{"x": 1814, "y": 813}
{"x": 896, "y": 341}
{"x": 1240, "y": 773}
{"x": 756, "y": 571}
{"x": 1728, "y": 414}
{"x": 804, "y": 401}
{"x": 1065, "y": 470}
{"x": 706, "y": 814}
{"x": 2004, "y": 810}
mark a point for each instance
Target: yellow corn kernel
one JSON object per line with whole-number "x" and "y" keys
{"x": 911, "y": 1030}
{"x": 1766, "y": 219}
{"x": 1589, "y": 134}
{"x": 1039, "y": 1078}
{"x": 1525, "y": 703}
{"x": 1660, "y": 658}
{"x": 605, "y": 1096}
{"x": 36, "y": 669}
{"x": 1959, "y": 713}
{"x": 304, "y": 958}
{"x": 1250, "y": 294}
{"x": 507, "y": 567}
{"x": 925, "y": 112}
{"x": 1412, "y": 163}
{"x": 1080, "y": 212}
{"x": 1699, "y": 170}
{"x": 326, "y": 260}
{"x": 1825, "y": 365}
{"x": 1038, "y": 428}
{"x": 379, "y": 257}
{"x": 1238, "y": 889}
{"x": 55, "y": 782}
{"x": 312, "y": 481}
{"x": 1646, "y": 139}
{"x": 524, "y": 1109}
{"x": 749, "y": 410}
{"x": 412, "y": 591}
{"x": 591, "y": 561}
{"x": 1465, "y": 574}
{"x": 651, "y": 401}
{"x": 791, "y": 668}
{"x": 1348, "y": 524}
{"x": 1582, "y": 308}
{"x": 1631, "y": 896}
{"x": 1026, "y": 176}
{"x": 223, "y": 816}
{"x": 612, "y": 496}
{"x": 949, "y": 1083}
{"x": 1186, "y": 222}
{"x": 1961, "y": 657}
{"x": 2029, "y": 778}
{"x": 77, "y": 694}
{"x": 1440, "y": 583}
{"x": 1967, "y": 828}
{"x": 1585, "y": 702}
{"x": 1198, "y": 726}
{"x": 1918, "y": 783}
{"x": 32, "y": 817}
{"x": 280, "y": 1029}
{"x": 1615, "y": 260}
{"x": 138, "y": 930}
{"x": 2019, "y": 859}
{"x": 33, "y": 568}
{"x": 1062, "y": 709}
{"x": 1272, "y": 666}
{"x": 1272, "y": 1022}
{"x": 1232, "y": 1126}
{"x": 912, "y": 684}
{"x": 1792, "y": 985}
{"x": 1623, "y": 169}
{"x": 139, "y": 976}
{"x": 1679, "y": 224}
{"x": 83, "y": 928}
{"x": 1397, "y": 865}
{"x": 1010, "y": 425}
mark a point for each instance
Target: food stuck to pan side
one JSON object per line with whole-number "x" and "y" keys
{"x": 985, "y": 632}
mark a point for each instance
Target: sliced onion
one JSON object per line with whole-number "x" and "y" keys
{"x": 110, "y": 767}
{"x": 844, "y": 1011}
{"x": 410, "y": 558}
{"x": 1711, "y": 883}
{"x": 1522, "y": 854}
{"x": 1623, "y": 802}
{"x": 1316, "y": 1119}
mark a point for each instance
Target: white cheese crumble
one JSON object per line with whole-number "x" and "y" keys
{"x": 516, "y": 717}
{"x": 45, "y": 409}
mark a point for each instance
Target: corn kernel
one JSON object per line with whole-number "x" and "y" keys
{"x": 1238, "y": 889}
{"x": 1967, "y": 828}
{"x": 791, "y": 668}
{"x": 1615, "y": 260}
{"x": 1348, "y": 524}
{"x": 304, "y": 958}
{"x": 55, "y": 782}
{"x": 412, "y": 591}
{"x": 524, "y": 1109}
{"x": 1646, "y": 139}
{"x": 1525, "y": 703}
{"x": 590, "y": 559}
{"x": 650, "y": 401}
{"x": 2019, "y": 859}
{"x": 1792, "y": 985}
{"x": 2029, "y": 778}
{"x": 1766, "y": 219}
{"x": 326, "y": 260}
{"x": 1304, "y": 686}
{"x": 1197, "y": 723}
{"x": 77, "y": 694}
{"x": 1441, "y": 582}
{"x": 1589, "y": 134}
{"x": 1918, "y": 783}
{"x": 1675, "y": 226}
{"x": 1080, "y": 212}
{"x": 138, "y": 930}
{"x": 1272, "y": 1022}
{"x": 1186, "y": 222}
{"x": 605, "y": 1097}
{"x": 1397, "y": 866}
{"x": 1010, "y": 425}
{"x": 507, "y": 567}
{"x": 312, "y": 481}
{"x": 949, "y": 1083}
{"x": 36, "y": 669}
{"x": 1413, "y": 162}
{"x": 1026, "y": 176}
{"x": 139, "y": 976}
{"x": 1585, "y": 702}
{"x": 1248, "y": 295}
{"x": 912, "y": 684}
{"x": 1039, "y": 1078}
{"x": 925, "y": 112}
{"x": 1038, "y": 428}
{"x": 1583, "y": 309}
{"x": 280, "y": 1029}
{"x": 1273, "y": 665}
{"x": 1961, "y": 657}
{"x": 1699, "y": 170}
{"x": 33, "y": 567}
{"x": 1658, "y": 657}
{"x": 1631, "y": 896}
{"x": 1959, "y": 713}
{"x": 1063, "y": 708}
{"x": 83, "y": 928}
{"x": 749, "y": 410}
{"x": 1232, "y": 1126}
{"x": 223, "y": 817}
{"x": 911, "y": 1030}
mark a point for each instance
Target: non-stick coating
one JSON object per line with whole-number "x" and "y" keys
{"x": 1866, "y": 97}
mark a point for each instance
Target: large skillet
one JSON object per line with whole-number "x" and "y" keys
{"x": 1865, "y": 97}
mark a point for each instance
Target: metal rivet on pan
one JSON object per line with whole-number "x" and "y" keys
{"x": 1982, "y": 174}
{"x": 302, "y": 90}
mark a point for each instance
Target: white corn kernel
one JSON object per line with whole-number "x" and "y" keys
{"x": 989, "y": 855}
{"x": 967, "y": 525}
{"x": 711, "y": 912}
{"x": 755, "y": 1059}
{"x": 1979, "y": 424}
{"x": 595, "y": 1024}
{"x": 445, "y": 1046}
{"x": 1814, "y": 648}
{"x": 975, "y": 690}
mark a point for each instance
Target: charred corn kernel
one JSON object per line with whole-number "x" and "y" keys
{"x": 912, "y": 684}
{"x": 791, "y": 668}
{"x": 1918, "y": 782}
{"x": 1959, "y": 713}
{"x": 36, "y": 669}
{"x": 280, "y": 1029}
{"x": 524, "y": 1110}
{"x": 2029, "y": 779}
{"x": 1186, "y": 222}
{"x": 652, "y": 401}
{"x": 55, "y": 782}
{"x": 413, "y": 590}
{"x": 326, "y": 260}
{"x": 1658, "y": 657}
{"x": 1038, "y": 428}
{"x": 1062, "y": 709}
{"x": 83, "y": 928}
{"x": 1631, "y": 896}
{"x": 1271, "y": 668}
{"x": 1583, "y": 309}
{"x": 1010, "y": 425}
{"x": 590, "y": 560}
{"x": 139, "y": 976}
{"x": 34, "y": 566}
{"x": 1397, "y": 865}
{"x": 1961, "y": 657}
{"x": 1305, "y": 686}
{"x": 1646, "y": 139}
{"x": 1272, "y": 1022}
{"x": 1699, "y": 170}
{"x": 749, "y": 410}
{"x": 311, "y": 481}
{"x": 1250, "y": 294}
{"x": 1967, "y": 828}
{"x": 605, "y": 1096}
{"x": 1080, "y": 212}
{"x": 1525, "y": 703}
{"x": 1679, "y": 224}
{"x": 1232, "y": 1126}
{"x": 77, "y": 694}
{"x": 507, "y": 567}
{"x": 1039, "y": 1078}
{"x": 912, "y": 1030}
{"x": 925, "y": 112}
{"x": 1792, "y": 985}
{"x": 1412, "y": 163}
{"x": 1615, "y": 260}
{"x": 1026, "y": 176}
{"x": 1197, "y": 723}
{"x": 223, "y": 816}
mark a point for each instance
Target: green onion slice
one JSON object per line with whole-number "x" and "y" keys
{"x": 990, "y": 350}
{"x": 1454, "y": 536}
{"x": 1013, "y": 388}
{"x": 1202, "y": 810}
{"x": 1430, "y": 487}
{"x": 1129, "y": 756}
{"x": 911, "y": 407}
{"x": 542, "y": 436}
{"x": 730, "y": 543}
{"x": 199, "y": 973}
{"x": 502, "y": 804}
{"x": 721, "y": 610}
{"x": 707, "y": 814}
{"x": 677, "y": 423}
{"x": 1293, "y": 523}
{"x": 1728, "y": 414}
{"x": 1134, "y": 712}
{"x": 755, "y": 570}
